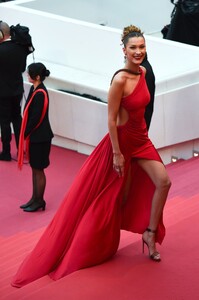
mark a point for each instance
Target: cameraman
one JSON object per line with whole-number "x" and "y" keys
{"x": 12, "y": 65}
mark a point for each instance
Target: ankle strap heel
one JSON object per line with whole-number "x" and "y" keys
{"x": 150, "y": 230}
{"x": 155, "y": 256}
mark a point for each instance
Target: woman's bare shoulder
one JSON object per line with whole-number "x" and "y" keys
{"x": 120, "y": 78}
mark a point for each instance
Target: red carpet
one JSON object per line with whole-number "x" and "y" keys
{"x": 130, "y": 275}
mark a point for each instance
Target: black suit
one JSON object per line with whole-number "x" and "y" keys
{"x": 184, "y": 27}
{"x": 12, "y": 65}
{"x": 150, "y": 80}
{"x": 41, "y": 136}
{"x": 43, "y": 133}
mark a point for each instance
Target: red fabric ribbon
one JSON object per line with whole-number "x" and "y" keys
{"x": 23, "y": 127}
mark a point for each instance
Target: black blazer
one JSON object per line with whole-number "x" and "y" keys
{"x": 12, "y": 65}
{"x": 150, "y": 80}
{"x": 43, "y": 133}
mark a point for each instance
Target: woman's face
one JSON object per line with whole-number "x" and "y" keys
{"x": 30, "y": 79}
{"x": 135, "y": 50}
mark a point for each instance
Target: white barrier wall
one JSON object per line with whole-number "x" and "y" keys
{"x": 84, "y": 56}
{"x": 151, "y": 16}
{"x": 95, "y": 49}
{"x": 67, "y": 41}
{"x": 78, "y": 123}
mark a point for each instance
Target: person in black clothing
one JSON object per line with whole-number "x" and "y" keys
{"x": 12, "y": 65}
{"x": 184, "y": 26}
{"x": 37, "y": 133}
{"x": 150, "y": 80}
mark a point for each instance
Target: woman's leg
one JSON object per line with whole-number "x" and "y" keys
{"x": 38, "y": 187}
{"x": 27, "y": 204}
{"x": 39, "y": 184}
{"x": 157, "y": 173}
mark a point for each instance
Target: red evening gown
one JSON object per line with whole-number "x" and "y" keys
{"x": 85, "y": 230}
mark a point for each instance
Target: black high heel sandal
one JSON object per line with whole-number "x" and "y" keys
{"x": 155, "y": 256}
{"x": 36, "y": 205}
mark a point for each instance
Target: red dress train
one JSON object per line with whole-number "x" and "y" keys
{"x": 85, "y": 230}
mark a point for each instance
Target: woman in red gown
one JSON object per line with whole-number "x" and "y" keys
{"x": 122, "y": 185}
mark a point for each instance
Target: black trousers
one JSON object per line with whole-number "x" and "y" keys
{"x": 10, "y": 113}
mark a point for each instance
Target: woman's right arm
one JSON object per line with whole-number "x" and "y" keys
{"x": 114, "y": 100}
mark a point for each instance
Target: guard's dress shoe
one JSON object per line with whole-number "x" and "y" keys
{"x": 5, "y": 156}
{"x": 27, "y": 204}
{"x": 36, "y": 205}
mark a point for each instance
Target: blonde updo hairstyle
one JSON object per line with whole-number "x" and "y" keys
{"x": 129, "y": 32}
